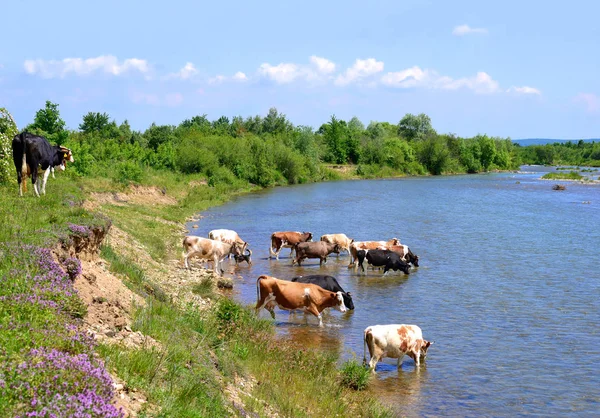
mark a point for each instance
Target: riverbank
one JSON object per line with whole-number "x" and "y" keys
{"x": 172, "y": 342}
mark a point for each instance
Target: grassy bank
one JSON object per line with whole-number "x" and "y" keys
{"x": 216, "y": 361}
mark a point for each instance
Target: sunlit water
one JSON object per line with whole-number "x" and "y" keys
{"x": 507, "y": 289}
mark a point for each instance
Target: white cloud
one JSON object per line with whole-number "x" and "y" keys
{"x": 287, "y": 72}
{"x": 590, "y": 100}
{"x": 107, "y": 64}
{"x": 187, "y": 72}
{"x": 282, "y": 73}
{"x": 218, "y": 79}
{"x": 360, "y": 70}
{"x": 416, "y": 77}
{"x": 462, "y": 30}
{"x": 323, "y": 65}
{"x": 240, "y": 76}
{"x": 524, "y": 90}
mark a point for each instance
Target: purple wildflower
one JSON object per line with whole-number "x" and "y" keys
{"x": 72, "y": 267}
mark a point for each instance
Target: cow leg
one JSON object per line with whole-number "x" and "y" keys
{"x": 45, "y": 179}
{"x": 34, "y": 181}
{"x": 400, "y": 361}
{"x": 374, "y": 360}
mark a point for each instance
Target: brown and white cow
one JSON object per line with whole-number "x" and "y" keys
{"x": 318, "y": 249}
{"x": 287, "y": 295}
{"x": 209, "y": 250}
{"x": 394, "y": 341}
{"x": 369, "y": 245}
{"x": 228, "y": 236}
{"x": 405, "y": 254}
{"x": 287, "y": 239}
{"x": 341, "y": 239}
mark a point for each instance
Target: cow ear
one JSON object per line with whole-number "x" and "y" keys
{"x": 349, "y": 294}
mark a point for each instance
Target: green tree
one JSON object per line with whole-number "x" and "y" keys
{"x": 488, "y": 150}
{"x": 335, "y": 134}
{"x": 275, "y": 122}
{"x": 414, "y": 127}
{"x": 47, "y": 122}
{"x": 94, "y": 122}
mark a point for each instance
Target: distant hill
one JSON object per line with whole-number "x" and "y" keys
{"x": 544, "y": 141}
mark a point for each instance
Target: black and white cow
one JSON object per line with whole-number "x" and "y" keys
{"x": 328, "y": 283}
{"x": 387, "y": 259}
{"x": 32, "y": 151}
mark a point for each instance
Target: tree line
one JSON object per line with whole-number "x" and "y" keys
{"x": 270, "y": 150}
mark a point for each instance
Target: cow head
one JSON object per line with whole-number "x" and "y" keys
{"x": 337, "y": 248}
{"x": 414, "y": 259}
{"x": 308, "y": 236}
{"x": 423, "y": 345}
{"x": 340, "y": 306}
{"x": 348, "y": 300}
{"x": 67, "y": 154}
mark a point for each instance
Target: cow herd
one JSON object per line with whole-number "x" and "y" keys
{"x": 315, "y": 293}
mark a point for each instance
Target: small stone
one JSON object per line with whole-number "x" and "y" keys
{"x": 120, "y": 323}
{"x": 118, "y": 386}
{"x": 225, "y": 283}
{"x": 110, "y": 333}
{"x": 127, "y": 328}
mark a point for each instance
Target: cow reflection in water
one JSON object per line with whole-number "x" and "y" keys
{"x": 327, "y": 340}
{"x": 401, "y": 389}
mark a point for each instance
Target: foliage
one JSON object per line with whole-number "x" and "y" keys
{"x": 48, "y": 123}
{"x": 414, "y": 127}
{"x": 572, "y": 175}
{"x": 354, "y": 375}
{"x": 8, "y": 129}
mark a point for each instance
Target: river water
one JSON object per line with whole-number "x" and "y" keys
{"x": 507, "y": 289}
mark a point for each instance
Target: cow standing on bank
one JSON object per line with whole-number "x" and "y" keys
{"x": 33, "y": 151}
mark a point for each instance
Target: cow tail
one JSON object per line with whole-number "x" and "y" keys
{"x": 367, "y": 332}
{"x": 258, "y": 288}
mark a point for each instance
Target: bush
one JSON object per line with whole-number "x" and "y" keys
{"x": 354, "y": 375}
{"x": 128, "y": 171}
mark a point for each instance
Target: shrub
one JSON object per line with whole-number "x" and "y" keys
{"x": 354, "y": 375}
{"x": 128, "y": 171}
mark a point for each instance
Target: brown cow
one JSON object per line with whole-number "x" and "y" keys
{"x": 340, "y": 239}
{"x": 368, "y": 245}
{"x": 208, "y": 249}
{"x": 319, "y": 249}
{"x": 287, "y": 295}
{"x": 287, "y": 239}
{"x": 405, "y": 254}
{"x": 394, "y": 341}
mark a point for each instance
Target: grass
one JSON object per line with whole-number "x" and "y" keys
{"x": 572, "y": 175}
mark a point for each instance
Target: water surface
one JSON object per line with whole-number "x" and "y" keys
{"x": 507, "y": 287}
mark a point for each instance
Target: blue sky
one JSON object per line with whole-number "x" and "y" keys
{"x": 512, "y": 68}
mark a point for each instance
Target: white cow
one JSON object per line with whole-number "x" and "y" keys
{"x": 228, "y": 236}
{"x": 394, "y": 341}
{"x": 341, "y": 239}
{"x": 208, "y": 249}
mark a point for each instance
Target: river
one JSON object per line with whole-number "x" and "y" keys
{"x": 507, "y": 289}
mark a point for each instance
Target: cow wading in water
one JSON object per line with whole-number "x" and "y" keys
{"x": 318, "y": 249}
{"x": 328, "y": 283}
{"x": 387, "y": 259}
{"x": 394, "y": 341}
{"x": 287, "y": 239}
{"x": 209, "y": 250}
{"x": 32, "y": 151}
{"x": 290, "y": 296}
